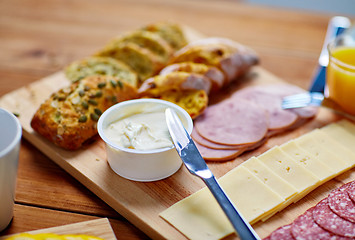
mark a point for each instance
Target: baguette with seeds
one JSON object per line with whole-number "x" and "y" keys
{"x": 69, "y": 117}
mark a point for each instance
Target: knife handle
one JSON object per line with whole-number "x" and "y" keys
{"x": 318, "y": 84}
{"x": 242, "y": 227}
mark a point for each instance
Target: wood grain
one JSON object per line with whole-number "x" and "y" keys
{"x": 38, "y": 38}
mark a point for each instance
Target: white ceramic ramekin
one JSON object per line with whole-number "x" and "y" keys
{"x": 138, "y": 165}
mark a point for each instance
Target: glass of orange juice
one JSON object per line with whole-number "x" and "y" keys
{"x": 341, "y": 71}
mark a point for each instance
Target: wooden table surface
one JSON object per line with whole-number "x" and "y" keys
{"x": 38, "y": 38}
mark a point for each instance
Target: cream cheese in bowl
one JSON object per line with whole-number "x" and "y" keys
{"x": 142, "y": 131}
{"x": 138, "y": 143}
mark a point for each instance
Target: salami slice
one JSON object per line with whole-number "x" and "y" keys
{"x": 283, "y": 233}
{"x": 233, "y": 123}
{"x": 271, "y": 103}
{"x": 351, "y": 191}
{"x": 341, "y": 204}
{"x": 218, "y": 155}
{"x": 331, "y": 222}
{"x": 305, "y": 228}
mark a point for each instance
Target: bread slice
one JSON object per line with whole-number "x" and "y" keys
{"x": 69, "y": 117}
{"x": 193, "y": 101}
{"x": 174, "y": 81}
{"x": 215, "y": 75}
{"x": 140, "y": 59}
{"x": 101, "y": 66}
{"x": 149, "y": 40}
{"x": 232, "y": 58}
{"x": 171, "y": 32}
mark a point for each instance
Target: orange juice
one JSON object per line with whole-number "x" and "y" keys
{"x": 341, "y": 77}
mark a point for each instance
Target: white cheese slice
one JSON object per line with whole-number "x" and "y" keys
{"x": 200, "y": 217}
{"x": 308, "y": 143}
{"x": 281, "y": 164}
{"x": 269, "y": 178}
{"x": 308, "y": 161}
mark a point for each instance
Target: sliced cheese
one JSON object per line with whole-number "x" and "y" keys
{"x": 347, "y": 125}
{"x": 200, "y": 217}
{"x": 262, "y": 186}
{"x": 269, "y": 178}
{"x": 282, "y": 165}
{"x": 309, "y": 144}
{"x": 250, "y": 195}
{"x": 308, "y": 161}
{"x": 339, "y": 134}
{"x": 333, "y": 146}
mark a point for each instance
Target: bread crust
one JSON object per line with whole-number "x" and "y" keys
{"x": 174, "y": 81}
{"x": 69, "y": 116}
{"x": 215, "y": 75}
{"x": 230, "y": 57}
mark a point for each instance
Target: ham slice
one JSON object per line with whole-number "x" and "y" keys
{"x": 210, "y": 154}
{"x": 271, "y": 103}
{"x": 246, "y": 120}
{"x": 233, "y": 123}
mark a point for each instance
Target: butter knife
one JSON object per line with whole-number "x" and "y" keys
{"x": 197, "y": 166}
{"x": 336, "y": 26}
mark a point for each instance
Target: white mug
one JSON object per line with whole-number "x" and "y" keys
{"x": 10, "y": 136}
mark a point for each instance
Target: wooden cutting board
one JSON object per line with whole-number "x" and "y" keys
{"x": 99, "y": 228}
{"x": 141, "y": 203}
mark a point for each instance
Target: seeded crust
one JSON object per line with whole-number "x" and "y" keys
{"x": 101, "y": 66}
{"x": 233, "y": 59}
{"x": 69, "y": 117}
{"x": 171, "y": 32}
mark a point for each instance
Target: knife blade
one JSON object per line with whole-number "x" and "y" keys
{"x": 336, "y": 26}
{"x": 197, "y": 166}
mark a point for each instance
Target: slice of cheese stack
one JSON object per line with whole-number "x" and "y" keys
{"x": 264, "y": 185}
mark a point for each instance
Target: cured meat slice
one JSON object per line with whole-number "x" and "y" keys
{"x": 218, "y": 155}
{"x": 305, "y": 228}
{"x": 351, "y": 191}
{"x": 271, "y": 103}
{"x": 331, "y": 222}
{"x": 341, "y": 204}
{"x": 206, "y": 143}
{"x": 283, "y": 233}
{"x": 233, "y": 123}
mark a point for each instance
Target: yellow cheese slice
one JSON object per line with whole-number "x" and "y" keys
{"x": 339, "y": 134}
{"x": 309, "y": 144}
{"x": 281, "y": 164}
{"x": 333, "y": 146}
{"x": 200, "y": 217}
{"x": 347, "y": 125}
{"x": 269, "y": 178}
{"x": 308, "y": 161}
